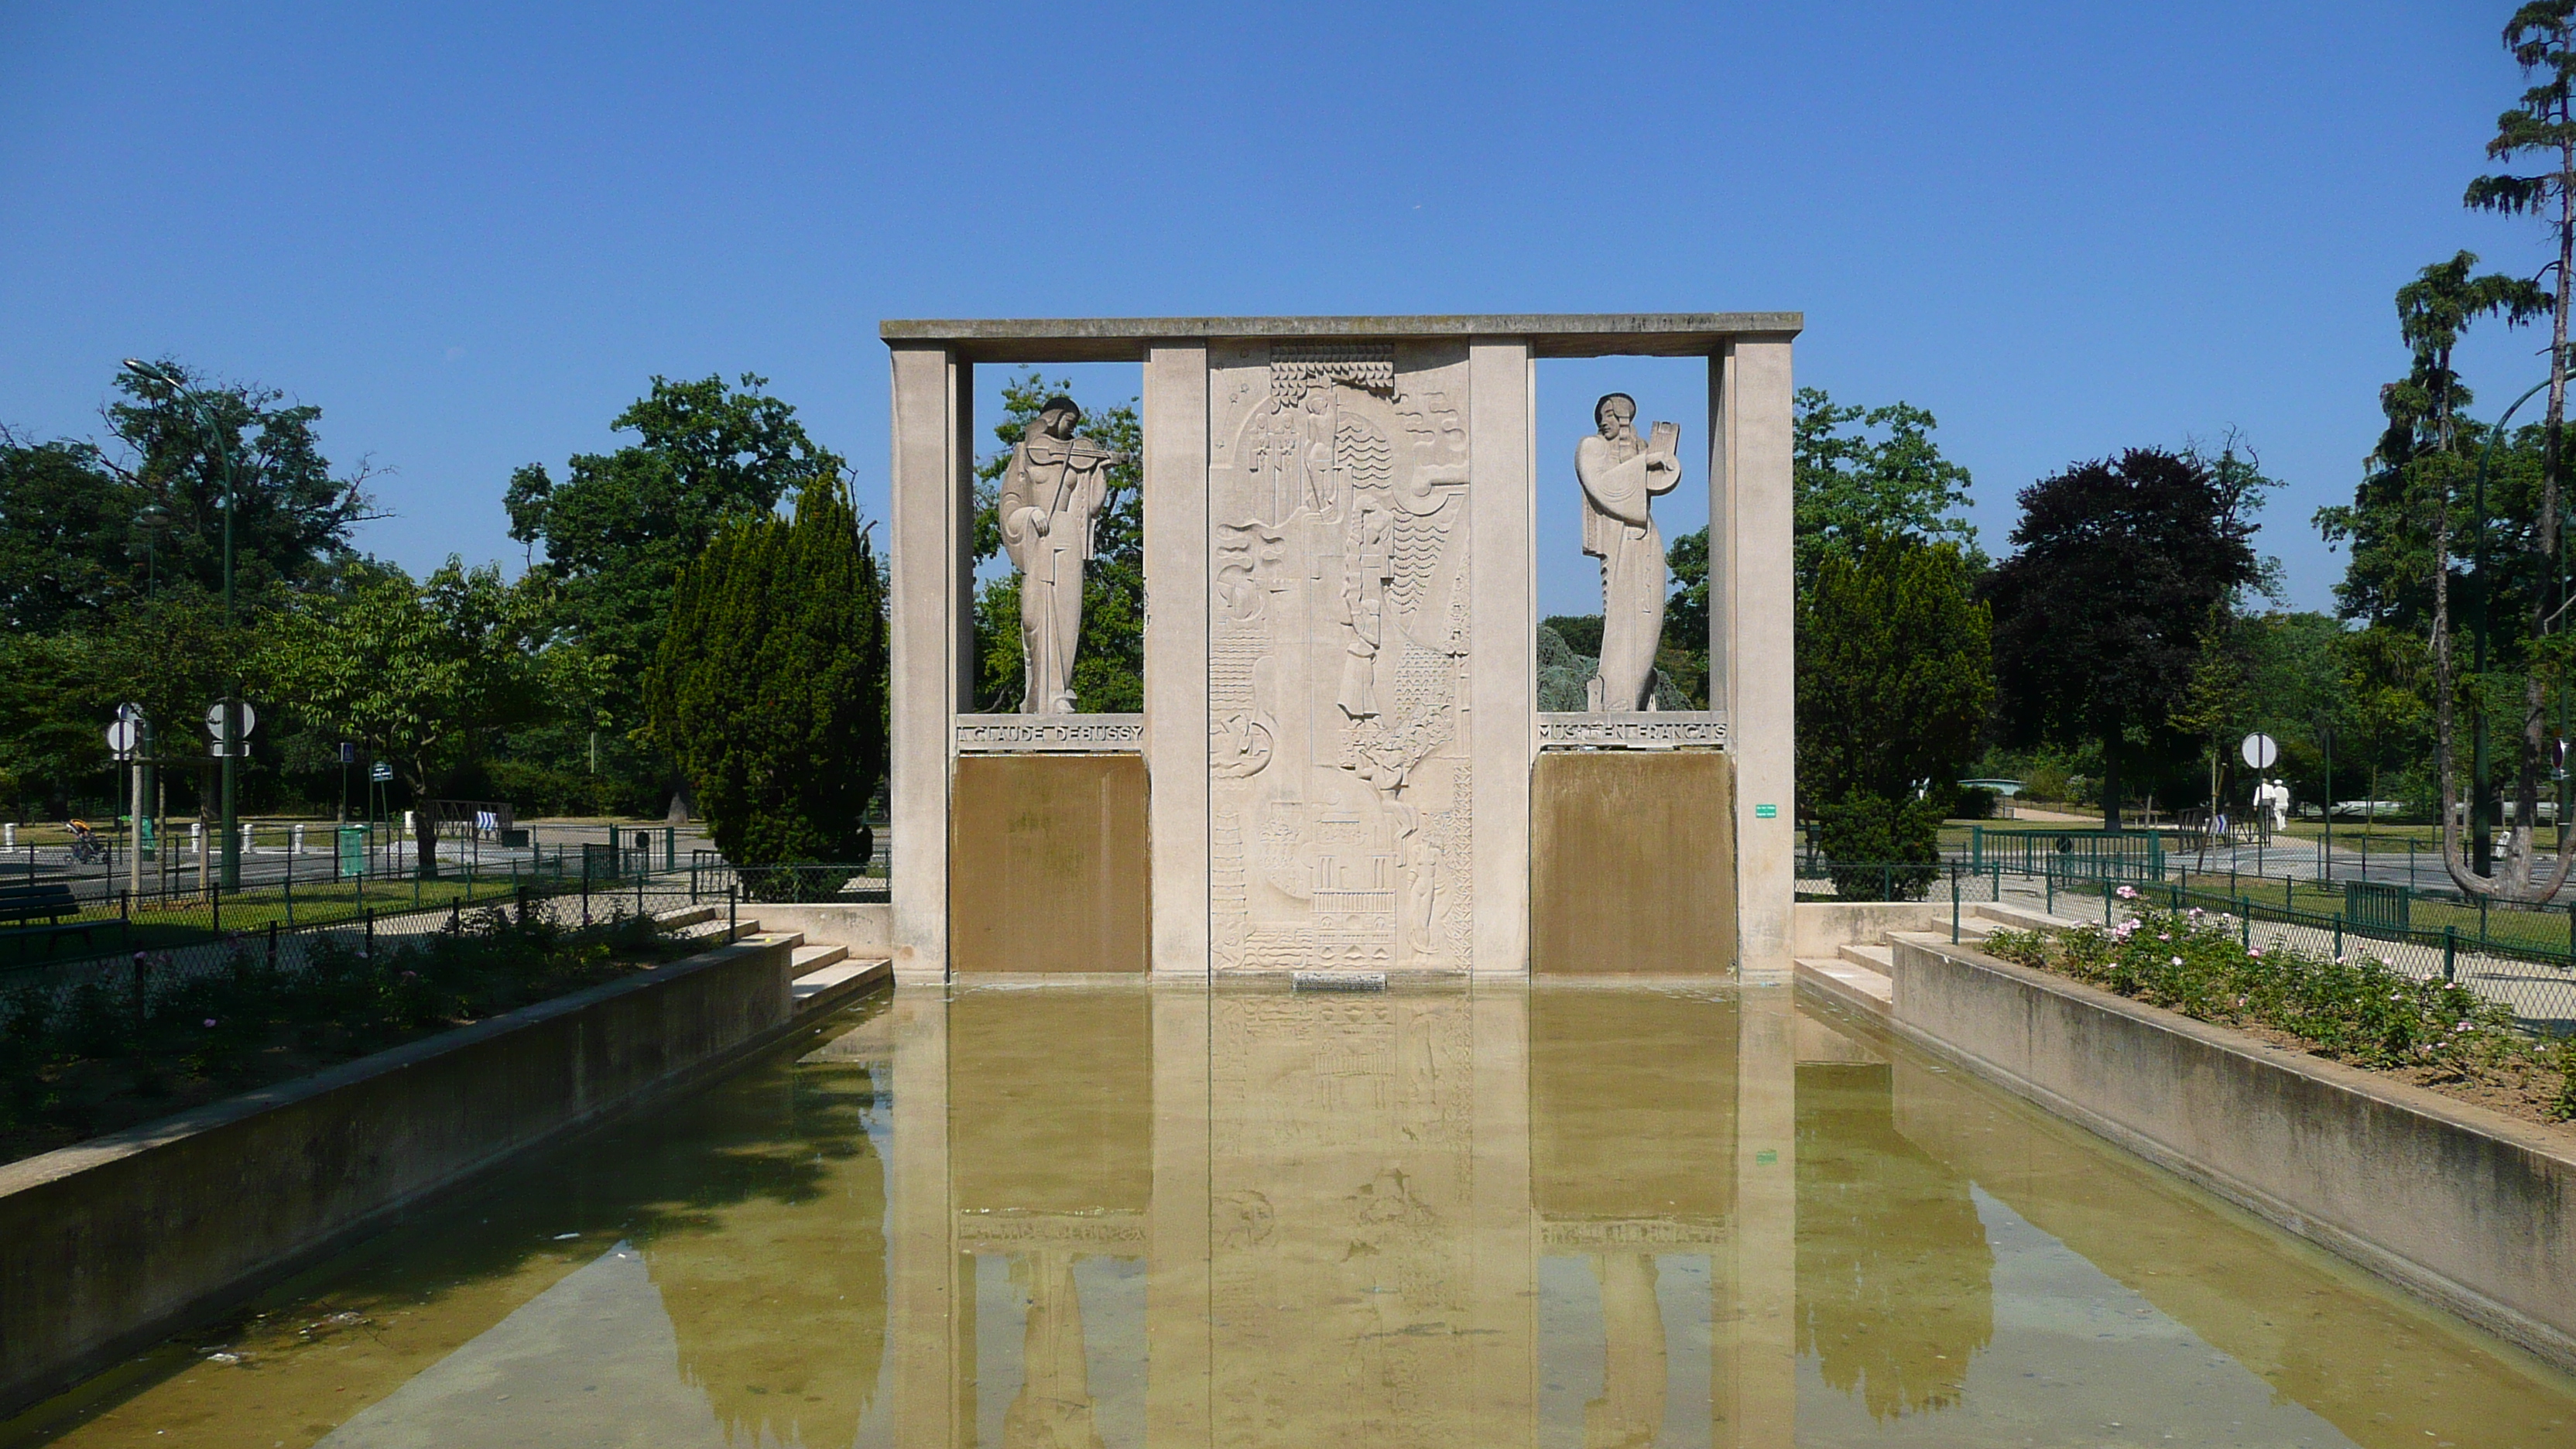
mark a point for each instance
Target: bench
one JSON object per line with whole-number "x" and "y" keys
{"x": 48, "y": 901}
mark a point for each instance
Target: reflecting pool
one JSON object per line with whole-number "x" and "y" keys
{"x": 1075, "y": 1215}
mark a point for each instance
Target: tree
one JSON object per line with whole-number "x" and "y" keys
{"x": 1884, "y": 479}
{"x": 1895, "y": 686}
{"x": 2542, "y": 38}
{"x": 427, "y": 674}
{"x": 2409, "y": 484}
{"x": 769, "y": 685}
{"x": 1856, "y": 487}
{"x": 2385, "y": 684}
{"x": 2218, "y": 701}
{"x": 111, "y": 564}
{"x": 2099, "y": 614}
{"x": 1109, "y": 662}
{"x": 618, "y": 529}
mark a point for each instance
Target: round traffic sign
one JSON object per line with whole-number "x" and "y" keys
{"x": 2260, "y": 750}
{"x": 129, "y": 713}
{"x": 215, "y": 719}
{"x": 122, "y": 737}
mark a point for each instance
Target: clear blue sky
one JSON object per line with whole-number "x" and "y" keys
{"x": 470, "y": 233}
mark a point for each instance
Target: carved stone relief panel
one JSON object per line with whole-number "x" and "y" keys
{"x": 1338, "y": 656}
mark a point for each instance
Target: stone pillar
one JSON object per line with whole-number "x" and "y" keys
{"x": 932, "y": 639}
{"x": 1753, "y": 638}
{"x": 1176, "y": 654}
{"x": 921, "y": 1254}
{"x": 1502, "y": 720}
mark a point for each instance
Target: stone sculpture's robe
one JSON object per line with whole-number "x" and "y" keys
{"x": 1620, "y": 478}
{"x": 1051, "y": 498}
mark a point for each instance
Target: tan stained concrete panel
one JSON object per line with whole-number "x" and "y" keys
{"x": 1047, "y": 864}
{"x": 1632, "y": 863}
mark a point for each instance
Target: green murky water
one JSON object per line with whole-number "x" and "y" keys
{"x": 1579, "y": 1216}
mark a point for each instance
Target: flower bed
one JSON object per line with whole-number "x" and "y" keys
{"x": 131, "y": 1045}
{"x": 2355, "y": 1009}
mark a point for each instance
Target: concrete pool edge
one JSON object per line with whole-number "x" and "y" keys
{"x": 109, "y": 1245}
{"x": 2464, "y": 1207}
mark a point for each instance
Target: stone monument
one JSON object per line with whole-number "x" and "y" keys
{"x": 1341, "y": 764}
{"x": 1621, "y": 478}
{"x": 1052, "y": 495}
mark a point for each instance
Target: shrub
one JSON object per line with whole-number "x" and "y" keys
{"x": 2022, "y": 948}
{"x": 1862, "y": 834}
{"x": 2357, "y": 1009}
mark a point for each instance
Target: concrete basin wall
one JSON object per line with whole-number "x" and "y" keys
{"x": 2470, "y": 1208}
{"x": 110, "y": 1244}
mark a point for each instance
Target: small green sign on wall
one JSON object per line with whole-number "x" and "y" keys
{"x": 1766, "y": 812}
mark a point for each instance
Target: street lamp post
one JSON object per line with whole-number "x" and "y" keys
{"x": 231, "y": 739}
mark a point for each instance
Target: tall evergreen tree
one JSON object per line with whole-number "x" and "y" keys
{"x": 2542, "y": 38}
{"x": 1895, "y": 685}
{"x": 769, "y": 683}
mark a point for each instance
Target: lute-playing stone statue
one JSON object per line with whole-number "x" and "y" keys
{"x": 1052, "y": 495}
{"x": 1621, "y": 477}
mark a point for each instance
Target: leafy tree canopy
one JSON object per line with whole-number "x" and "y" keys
{"x": 2119, "y": 567}
{"x": 428, "y": 674}
{"x": 82, "y": 526}
{"x": 620, "y": 526}
{"x": 1860, "y": 473}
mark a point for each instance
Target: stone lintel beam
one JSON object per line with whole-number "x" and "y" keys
{"x": 1550, "y": 334}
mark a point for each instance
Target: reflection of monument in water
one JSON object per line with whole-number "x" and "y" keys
{"x": 1430, "y": 1216}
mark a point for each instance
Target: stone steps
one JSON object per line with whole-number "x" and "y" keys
{"x": 828, "y": 985}
{"x": 1858, "y": 986}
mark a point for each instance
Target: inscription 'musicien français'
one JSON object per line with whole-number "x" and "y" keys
{"x": 1636, "y": 729}
{"x": 1013, "y": 734}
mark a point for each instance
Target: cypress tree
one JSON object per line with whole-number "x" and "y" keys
{"x": 769, "y": 685}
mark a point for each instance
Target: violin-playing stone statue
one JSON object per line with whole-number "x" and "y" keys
{"x": 1620, "y": 477}
{"x": 1052, "y": 495}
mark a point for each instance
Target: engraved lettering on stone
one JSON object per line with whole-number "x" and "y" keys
{"x": 1620, "y": 478}
{"x": 1069, "y": 733}
{"x": 1632, "y": 728}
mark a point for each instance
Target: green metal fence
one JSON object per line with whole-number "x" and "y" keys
{"x": 2095, "y": 854}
